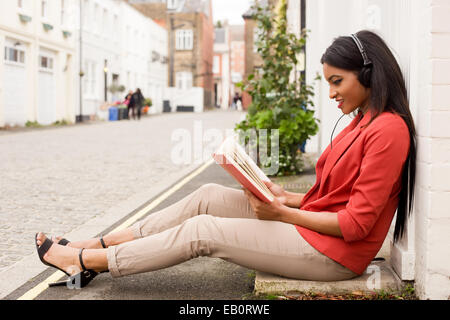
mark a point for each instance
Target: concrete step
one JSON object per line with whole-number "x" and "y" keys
{"x": 379, "y": 275}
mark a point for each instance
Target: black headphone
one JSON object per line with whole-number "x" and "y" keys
{"x": 366, "y": 72}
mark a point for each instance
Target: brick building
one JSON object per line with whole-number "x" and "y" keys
{"x": 191, "y": 36}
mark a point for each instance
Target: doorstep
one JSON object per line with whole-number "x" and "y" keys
{"x": 378, "y": 276}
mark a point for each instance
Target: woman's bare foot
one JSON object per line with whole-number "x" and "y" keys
{"x": 86, "y": 244}
{"x": 61, "y": 256}
{"x": 112, "y": 239}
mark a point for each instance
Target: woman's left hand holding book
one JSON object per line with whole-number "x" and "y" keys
{"x": 266, "y": 211}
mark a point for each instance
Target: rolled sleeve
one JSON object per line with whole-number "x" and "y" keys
{"x": 385, "y": 152}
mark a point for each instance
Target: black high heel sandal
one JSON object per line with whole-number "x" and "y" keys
{"x": 79, "y": 280}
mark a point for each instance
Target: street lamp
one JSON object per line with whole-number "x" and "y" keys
{"x": 105, "y": 69}
{"x": 80, "y": 117}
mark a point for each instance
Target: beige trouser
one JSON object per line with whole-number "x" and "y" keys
{"x": 218, "y": 221}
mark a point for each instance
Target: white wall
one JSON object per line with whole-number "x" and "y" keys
{"x": 432, "y": 227}
{"x": 34, "y": 39}
{"x": 418, "y": 33}
{"x": 188, "y": 97}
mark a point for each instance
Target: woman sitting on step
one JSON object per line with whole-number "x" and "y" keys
{"x": 330, "y": 233}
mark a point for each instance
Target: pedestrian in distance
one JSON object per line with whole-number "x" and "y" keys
{"x": 138, "y": 99}
{"x": 235, "y": 101}
{"x": 331, "y": 233}
{"x": 130, "y": 105}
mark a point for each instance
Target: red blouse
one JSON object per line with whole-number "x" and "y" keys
{"x": 360, "y": 180}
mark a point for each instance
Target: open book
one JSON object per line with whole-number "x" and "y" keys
{"x": 233, "y": 158}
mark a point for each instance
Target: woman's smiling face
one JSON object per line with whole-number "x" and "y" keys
{"x": 346, "y": 89}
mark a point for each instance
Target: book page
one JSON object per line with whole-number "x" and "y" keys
{"x": 253, "y": 165}
{"x": 245, "y": 165}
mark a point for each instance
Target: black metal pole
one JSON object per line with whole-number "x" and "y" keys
{"x": 303, "y": 26}
{"x": 171, "y": 47}
{"x": 80, "y": 118}
{"x": 106, "y": 80}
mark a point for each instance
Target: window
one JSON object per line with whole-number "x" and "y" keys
{"x": 172, "y": 4}
{"x": 45, "y": 62}
{"x": 89, "y": 79}
{"x": 105, "y": 26}
{"x": 86, "y": 15}
{"x": 97, "y": 20}
{"x": 184, "y": 40}
{"x": 44, "y": 8}
{"x": 257, "y": 36}
{"x": 219, "y": 35}
{"x": 184, "y": 80}
{"x": 14, "y": 55}
{"x": 116, "y": 28}
{"x": 216, "y": 64}
{"x": 63, "y": 12}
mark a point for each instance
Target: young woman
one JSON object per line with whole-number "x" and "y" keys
{"x": 331, "y": 233}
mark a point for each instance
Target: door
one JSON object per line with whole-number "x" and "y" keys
{"x": 46, "y": 113}
{"x": 14, "y": 84}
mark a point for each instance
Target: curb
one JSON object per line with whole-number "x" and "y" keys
{"x": 378, "y": 276}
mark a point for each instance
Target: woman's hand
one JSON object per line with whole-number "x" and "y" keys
{"x": 265, "y": 211}
{"x": 277, "y": 191}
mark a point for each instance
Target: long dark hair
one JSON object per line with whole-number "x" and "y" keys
{"x": 388, "y": 93}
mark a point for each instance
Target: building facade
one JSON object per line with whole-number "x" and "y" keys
{"x": 53, "y": 72}
{"x": 419, "y": 34}
{"x": 191, "y": 35}
{"x": 37, "y": 71}
{"x": 119, "y": 47}
{"x": 222, "y": 67}
{"x": 237, "y": 52}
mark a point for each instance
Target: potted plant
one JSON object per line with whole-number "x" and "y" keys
{"x": 147, "y": 104}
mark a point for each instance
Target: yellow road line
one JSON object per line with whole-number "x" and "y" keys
{"x": 41, "y": 287}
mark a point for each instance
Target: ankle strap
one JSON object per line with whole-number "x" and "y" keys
{"x": 81, "y": 259}
{"x": 103, "y": 243}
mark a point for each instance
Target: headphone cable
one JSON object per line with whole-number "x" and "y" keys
{"x": 331, "y": 141}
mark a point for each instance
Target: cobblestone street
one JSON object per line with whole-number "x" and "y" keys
{"x": 55, "y": 180}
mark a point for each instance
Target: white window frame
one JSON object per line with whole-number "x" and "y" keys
{"x": 21, "y": 56}
{"x": 50, "y": 63}
{"x": 257, "y": 34}
{"x": 23, "y": 7}
{"x": 184, "y": 80}
{"x": 90, "y": 80}
{"x": 216, "y": 64}
{"x": 184, "y": 39}
{"x": 63, "y": 13}
{"x": 172, "y": 4}
{"x": 97, "y": 19}
{"x": 44, "y": 10}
